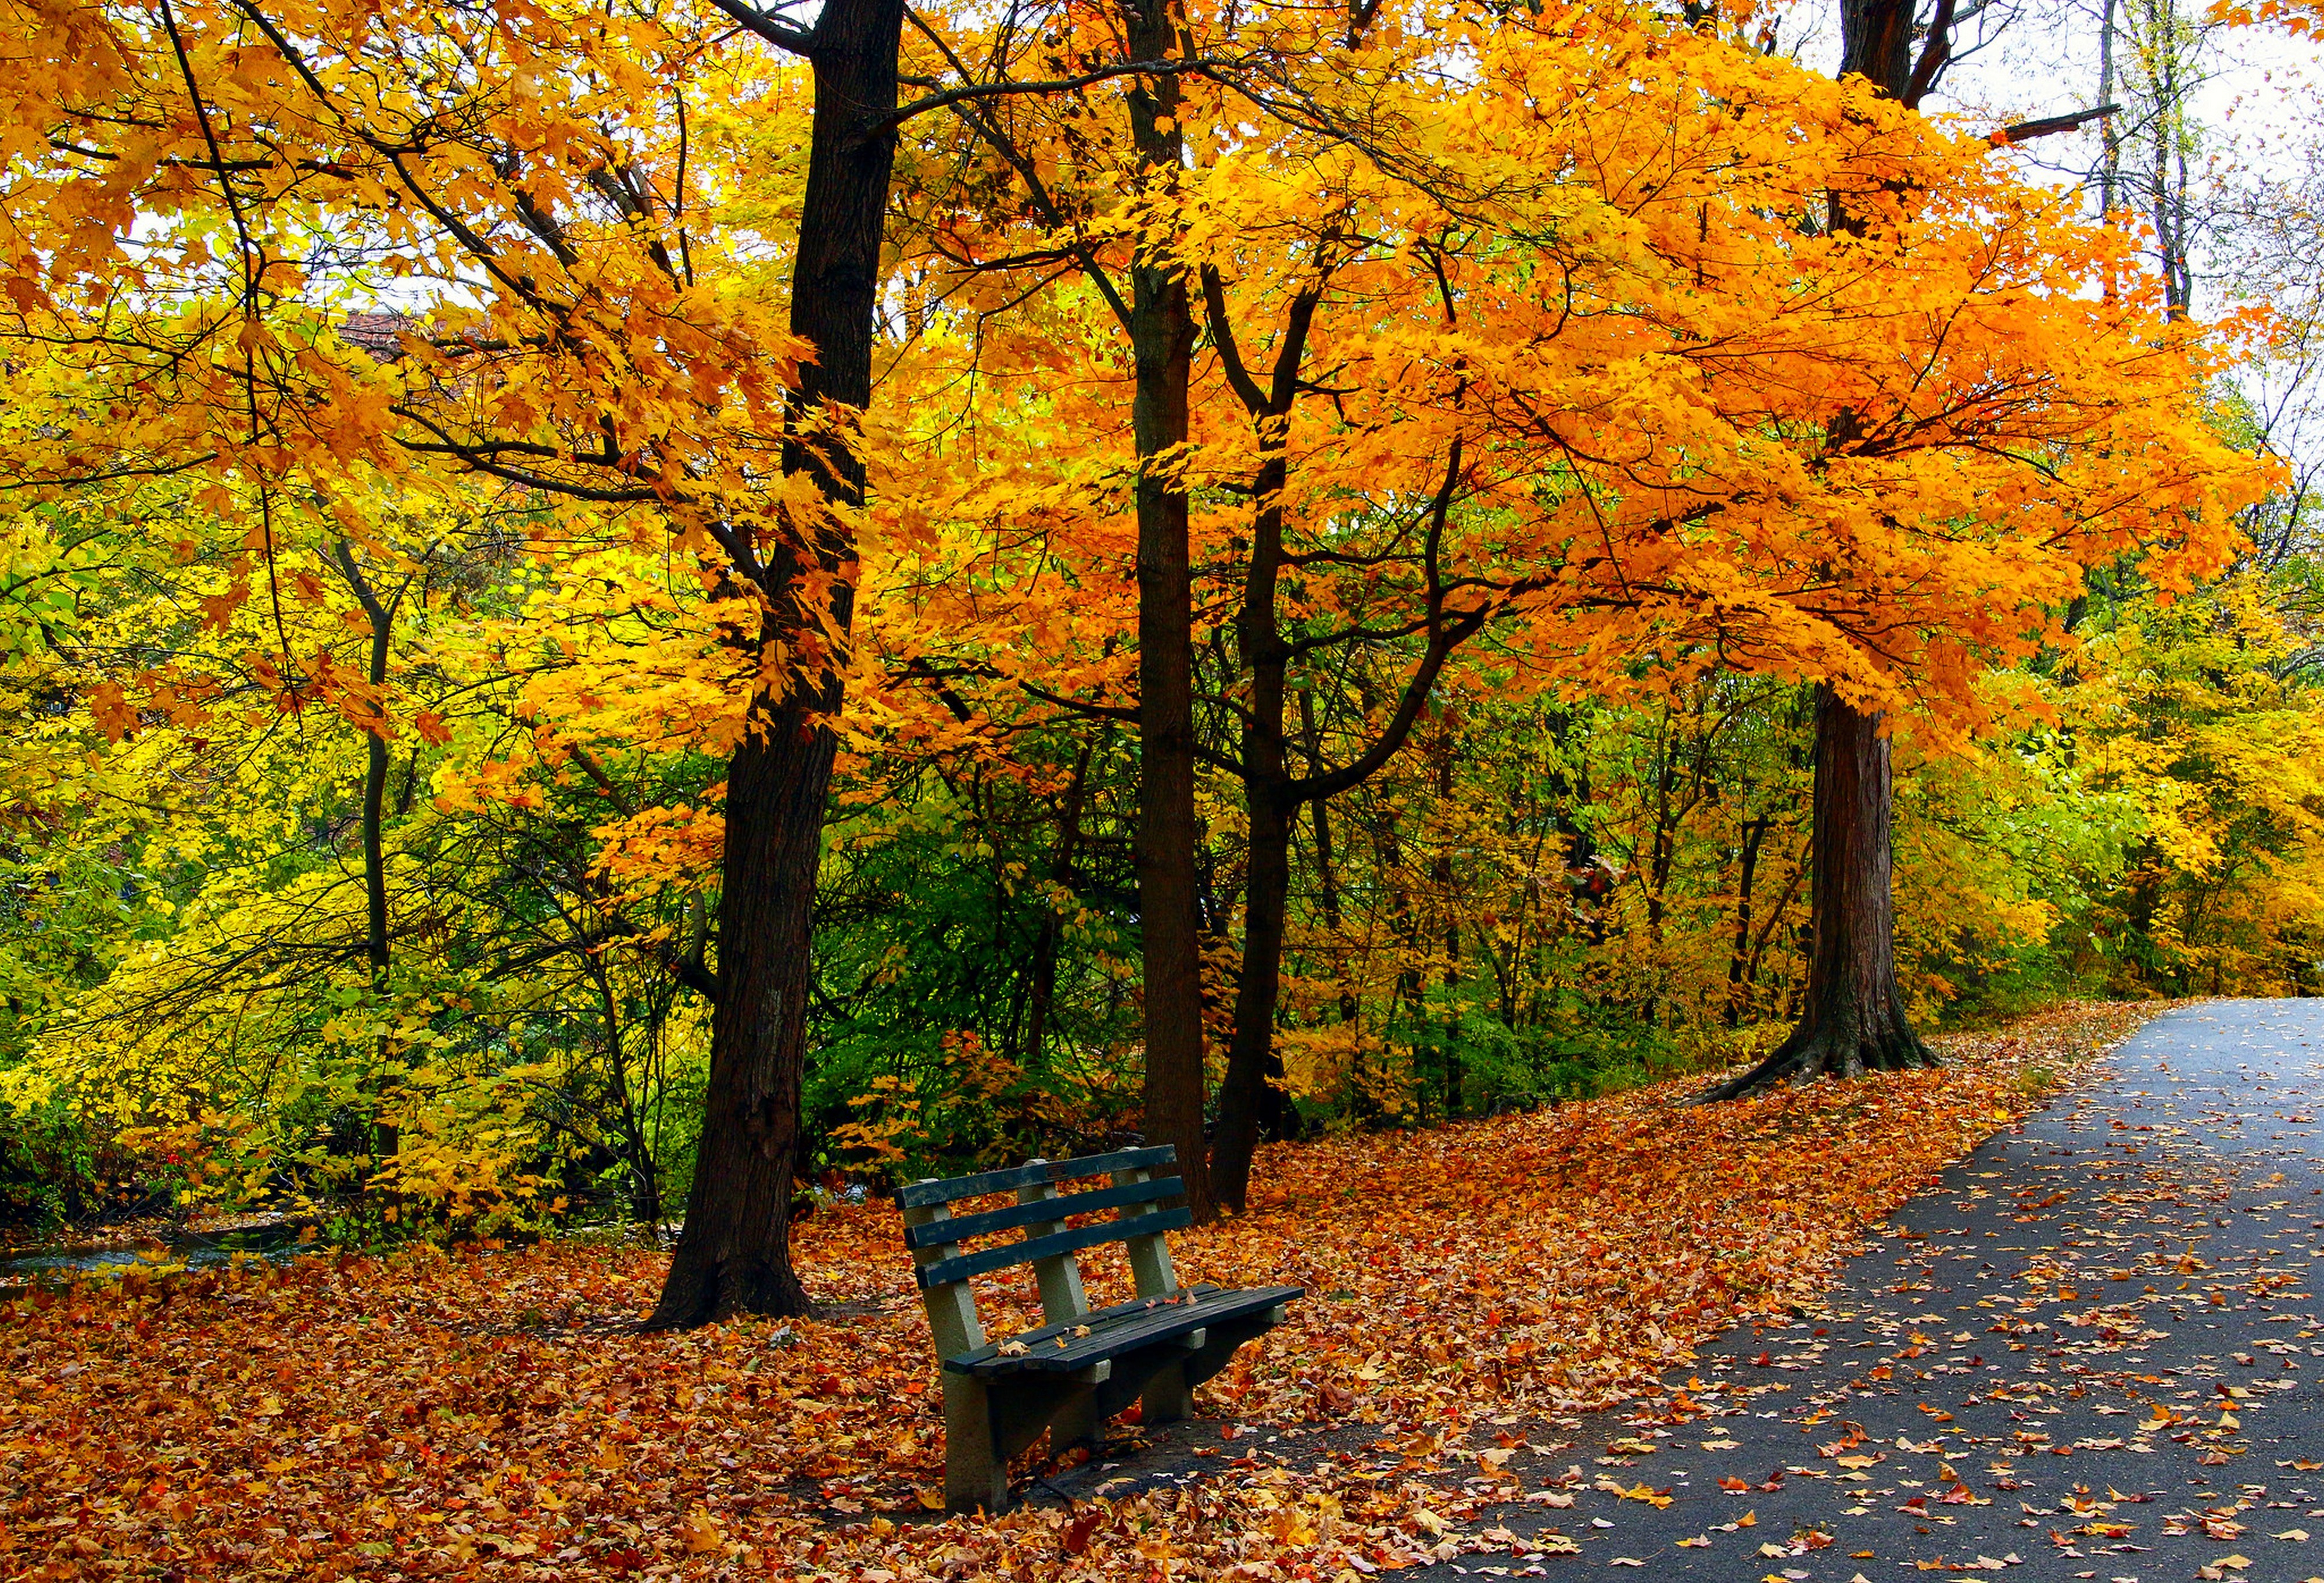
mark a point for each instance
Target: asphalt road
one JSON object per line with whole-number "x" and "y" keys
{"x": 2091, "y": 1352}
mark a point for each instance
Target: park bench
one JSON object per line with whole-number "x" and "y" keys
{"x": 1083, "y": 1366}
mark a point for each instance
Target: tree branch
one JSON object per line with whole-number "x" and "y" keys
{"x": 781, "y": 34}
{"x": 2003, "y": 137}
{"x": 992, "y": 90}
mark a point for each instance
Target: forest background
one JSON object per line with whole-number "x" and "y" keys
{"x": 398, "y": 453}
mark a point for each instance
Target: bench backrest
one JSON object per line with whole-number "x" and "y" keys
{"x": 1141, "y": 1186}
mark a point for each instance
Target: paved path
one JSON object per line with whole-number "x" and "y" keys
{"x": 2091, "y": 1352}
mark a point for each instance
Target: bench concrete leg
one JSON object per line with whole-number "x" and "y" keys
{"x": 1168, "y": 1397}
{"x": 975, "y": 1473}
{"x": 1076, "y": 1421}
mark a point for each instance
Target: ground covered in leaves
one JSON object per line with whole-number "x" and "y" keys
{"x": 490, "y": 1414}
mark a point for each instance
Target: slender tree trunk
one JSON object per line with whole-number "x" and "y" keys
{"x": 385, "y": 1138}
{"x": 1755, "y": 833}
{"x": 1441, "y": 872}
{"x": 1853, "y": 1020}
{"x": 735, "y": 1254}
{"x": 1044, "y": 988}
{"x": 1327, "y": 878}
{"x": 645, "y": 1176}
{"x": 2110, "y": 146}
{"x": 1327, "y": 873}
{"x": 382, "y": 617}
{"x": 2169, "y": 135}
{"x": 1242, "y": 1098}
{"x": 1162, "y": 343}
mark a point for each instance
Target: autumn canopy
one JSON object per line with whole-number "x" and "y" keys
{"x": 651, "y": 613}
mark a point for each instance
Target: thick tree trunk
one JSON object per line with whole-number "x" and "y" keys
{"x": 1852, "y": 1016}
{"x": 735, "y": 1254}
{"x": 1162, "y": 343}
{"x": 1853, "y": 1020}
{"x": 1875, "y": 42}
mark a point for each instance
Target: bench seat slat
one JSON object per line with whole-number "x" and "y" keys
{"x": 1119, "y": 1329}
{"x": 1097, "y": 1316}
{"x": 961, "y": 1267}
{"x": 918, "y": 1194}
{"x": 961, "y": 1228}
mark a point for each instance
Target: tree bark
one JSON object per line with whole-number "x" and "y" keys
{"x": 2110, "y": 155}
{"x": 382, "y": 617}
{"x": 1755, "y": 831}
{"x": 1267, "y": 888}
{"x": 1327, "y": 879}
{"x": 1162, "y": 343}
{"x": 380, "y": 614}
{"x": 1853, "y": 1020}
{"x": 1042, "y": 989}
{"x": 1440, "y": 873}
{"x": 735, "y": 1254}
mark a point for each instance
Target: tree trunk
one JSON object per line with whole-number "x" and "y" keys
{"x": 1853, "y": 1019}
{"x": 637, "y": 1153}
{"x": 1441, "y": 871}
{"x": 1852, "y": 1016}
{"x": 1262, "y": 652}
{"x": 1327, "y": 879}
{"x": 1043, "y": 991}
{"x": 1243, "y": 1095}
{"x": 2110, "y": 147}
{"x": 1162, "y": 343}
{"x": 1755, "y": 831}
{"x": 735, "y": 1254}
{"x": 382, "y": 617}
{"x": 1875, "y": 42}
{"x": 385, "y": 1138}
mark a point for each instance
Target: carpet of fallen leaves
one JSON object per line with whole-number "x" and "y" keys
{"x": 489, "y": 1414}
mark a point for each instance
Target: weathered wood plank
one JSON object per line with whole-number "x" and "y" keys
{"x": 1101, "y": 1316}
{"x": 916, "y": 1195}
{"x": 1131, "y": 1329}
{"x": 1067, "y": 1376}
{"x": 961, "y": 1267}
{"x": 962, "y": 1227}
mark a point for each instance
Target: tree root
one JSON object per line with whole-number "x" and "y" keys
{"x": 1806, "y": 1057}
{"x": 724, "y": 1289}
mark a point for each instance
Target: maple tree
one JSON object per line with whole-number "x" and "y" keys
{"x": 1854, "y": 1017}
{"x": 597, "y": 371}
{"x": 1360, "y": 293}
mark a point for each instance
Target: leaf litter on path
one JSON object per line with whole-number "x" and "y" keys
{"x": 489, "y": 1414}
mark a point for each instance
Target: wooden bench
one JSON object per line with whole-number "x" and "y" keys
{"x": 1083, "y": 1367}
